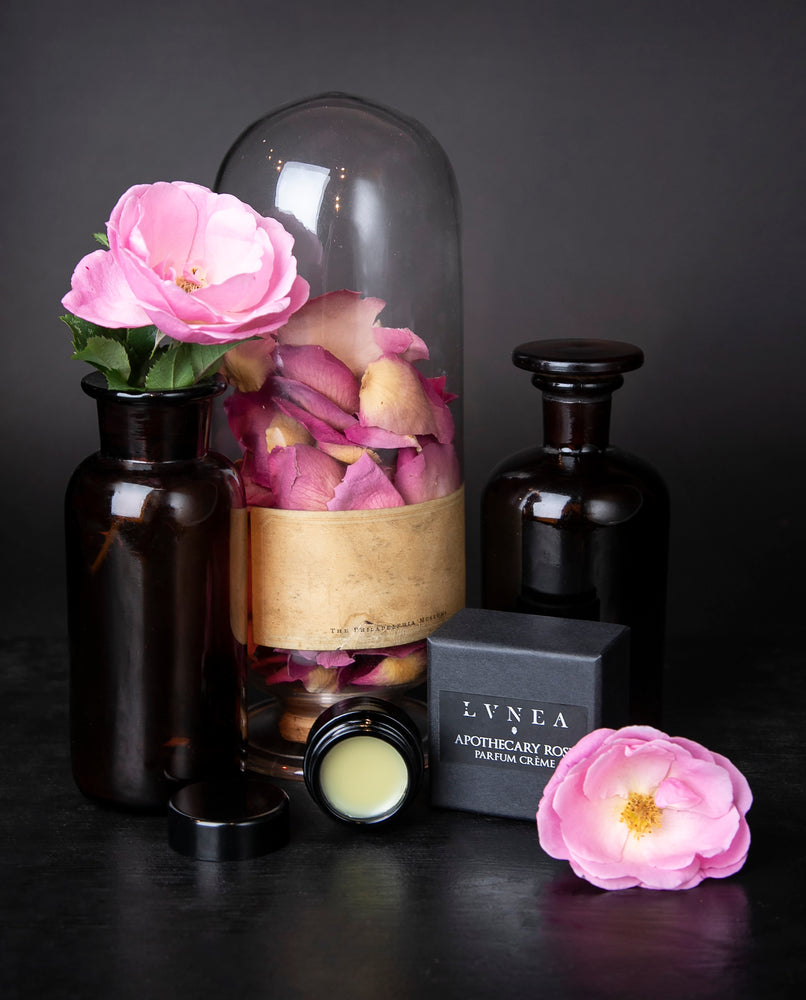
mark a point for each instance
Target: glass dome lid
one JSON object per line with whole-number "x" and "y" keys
{"x": 352, "y": 440}
{"x": 371, "y": 201}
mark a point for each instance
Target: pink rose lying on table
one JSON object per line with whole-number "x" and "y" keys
{"x": 635, "y": 807}
{"x": 332, "y": 414}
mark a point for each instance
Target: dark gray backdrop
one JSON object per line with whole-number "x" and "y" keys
{"x": 631, "y": 170}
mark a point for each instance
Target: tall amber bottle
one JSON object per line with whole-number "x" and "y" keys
{"x": 577, "y": 528}
{"x": 154, "y": 525}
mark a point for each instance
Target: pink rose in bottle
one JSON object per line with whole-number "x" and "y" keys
{"x": 204, "y": 268}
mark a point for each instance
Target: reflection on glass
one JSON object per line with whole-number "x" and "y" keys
{"x": 371, "y": 227}
{"x": 128, "y": 499}
{"x": 300, "y": 190}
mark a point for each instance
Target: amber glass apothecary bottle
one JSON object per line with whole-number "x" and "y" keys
{"x": 351, "y": 434}
{"x": 577, "y": 528}
{"x": 155, "y": 530}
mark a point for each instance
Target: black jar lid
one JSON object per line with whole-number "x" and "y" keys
{"x": 572, "y": 357}
{"x": 364, "y": 715}
{"x": 228, "y": 820}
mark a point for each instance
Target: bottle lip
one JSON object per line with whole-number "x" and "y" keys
{"x": 577, "y": 358}
{"x": 363, "y": 716}
{"x": 94, "y": 384}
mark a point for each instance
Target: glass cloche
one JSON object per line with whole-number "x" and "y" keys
{"x": 350, "y": 423}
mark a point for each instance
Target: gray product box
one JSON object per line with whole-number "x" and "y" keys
{"x": 508, "y": 695}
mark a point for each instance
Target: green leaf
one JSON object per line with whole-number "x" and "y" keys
{"x": 102, "y": 239}
{"x": 140, "y": 344}
{"x": 82, "y": 330}
{"x": 117, "y": 380}
{"x": 205, "y": 358}
{"x": 143, "y": 356}
{"x": 171, "y": 369}
{"x": 115, "y": 333}
{"x": 180, "y": 365}
{"x": 101, "y": 351}
{"x": 109, "y": 357}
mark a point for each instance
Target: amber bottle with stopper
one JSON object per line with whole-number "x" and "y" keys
{"x": 577, "y": 528}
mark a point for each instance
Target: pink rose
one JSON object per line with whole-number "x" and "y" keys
{"x": 203, "y": 268}
{"x": 635, "y": 807}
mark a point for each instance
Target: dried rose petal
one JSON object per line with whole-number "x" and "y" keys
{"x": 364, "y": 487}
{"x": 309, "y": 399}
{"x": 345, "y": 325}
{"x": 404, "y": 342}
{"x": 316, "y": 679}
{"x": 309, "y": 666}
{"x": 390, "y": 671}
{"x": 284, "y": 431}
{"x": 347, "y": 453}
{"x": 256, "y": 495}
{"x": 334, "y": 658}
{"x": 255, "y": 486}
{"x": 435, "y": 391}
{"x": 301, "y": 661}
{"x": 377, "y": 437}
{"x": 325, "y": 437}
{"x": 438, "y": 391}
{"x": 342, "y": 323}
{"x": 302, "y": 477}
{"x": 321, "y": 370}
{"x": 249, "y": 414}
{"x": 248, "y": 365}
{"x": 428, "y": 474}
{"x": 279, "y": 676}
{"x": 321, "y": 680}
{"x": 320, "y": 430}
{"x": 394, "y": 396}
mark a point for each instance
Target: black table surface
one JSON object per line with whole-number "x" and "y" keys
{"x": 444, "y": 904}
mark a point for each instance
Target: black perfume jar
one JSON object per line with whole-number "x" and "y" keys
{"x": 363, "y": 760}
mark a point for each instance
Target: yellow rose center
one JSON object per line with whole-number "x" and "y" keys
{"x": 191, "y": 284}
{"x": 641, "y": 814}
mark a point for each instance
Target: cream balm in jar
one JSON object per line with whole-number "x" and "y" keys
{"x": 363, "y": 760}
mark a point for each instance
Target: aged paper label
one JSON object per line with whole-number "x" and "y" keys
{"x": 358, "y": 579}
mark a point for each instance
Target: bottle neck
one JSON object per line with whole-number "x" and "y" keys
{"x": 171, "y": 425}
{"x": 154, "y": 432}
{"x": 576, "y": 415}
